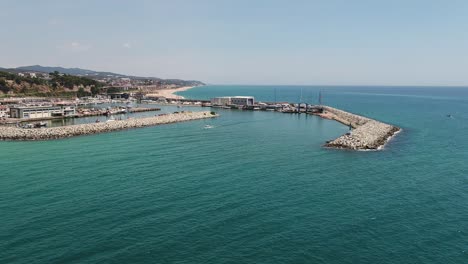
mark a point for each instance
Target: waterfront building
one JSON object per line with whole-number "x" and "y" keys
{"x": 41, "y": 111}
{"x": 68, "y": 110}
{"x": 118, "y": 95}
{"x": 233, "y": 100}
{"x": 4, "y": 111}
{"x": 221, "y": 101}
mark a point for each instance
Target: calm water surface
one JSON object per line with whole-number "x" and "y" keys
{"x": 256, "y": 188}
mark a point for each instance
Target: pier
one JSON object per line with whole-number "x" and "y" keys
{"x": 366, "y": 133}
{"x": 15, "y": 133}
{"x": 121, "y": 110}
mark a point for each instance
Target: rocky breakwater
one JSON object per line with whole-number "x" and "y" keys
{"x": 367, "y": 134}
{"x": 14, "y": 133}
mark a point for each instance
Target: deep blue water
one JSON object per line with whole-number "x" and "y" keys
{"x": 256, "y": 188}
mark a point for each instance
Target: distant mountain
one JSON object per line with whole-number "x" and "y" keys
{"x": 70, "y": 71}
{"x": 96, "y": 74}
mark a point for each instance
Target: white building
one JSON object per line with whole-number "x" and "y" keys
{"x": 233, "y": 100}
{"x": 221, "y": 101}
{"x": 4, "y": 111}
{"x": 41, "y": 111}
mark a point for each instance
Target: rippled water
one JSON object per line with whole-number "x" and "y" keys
{"x": 256, "y": 188}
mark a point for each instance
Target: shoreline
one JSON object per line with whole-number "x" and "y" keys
{"x": 170, "y": 93}
{"x": 390, "y": 138}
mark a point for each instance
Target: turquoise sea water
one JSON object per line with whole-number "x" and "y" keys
{"x": 256, "y": 188}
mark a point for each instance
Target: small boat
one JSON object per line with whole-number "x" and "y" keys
{"x": 207, "y": 127}
{"x": 40, "y": 124}
{"x": 449, "y": 116}
{"x": 256, "y": 108}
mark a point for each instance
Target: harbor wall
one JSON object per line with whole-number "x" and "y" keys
{"x": 15, "y": 133}
{"x": 346, "y": 117}
{"x": 367, "y": 134}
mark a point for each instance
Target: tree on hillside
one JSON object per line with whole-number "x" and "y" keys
{"x": 3, "y": 86}
{"x": 95, "y": 90}
{"x": 113, "y": 90}
{"x": 81, "y": 92}
{"x": 54, "y": 74}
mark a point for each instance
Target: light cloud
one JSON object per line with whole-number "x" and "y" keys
{"x": 126, "y": 45}
{"x": 74, "y": 46}
{"x": 53, "y": 22}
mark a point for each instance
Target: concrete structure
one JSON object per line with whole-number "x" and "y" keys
{"x": 41, "y": 111}
{"x": 68, "y": 110}
{"x": 221, "y": 101}
{"x": 366, "y": 134}
{"x": 118, "y": 95}
{"x": 4, "y": 110}
{"x": 233, "y": 100}
{"x": 243, "y": 100}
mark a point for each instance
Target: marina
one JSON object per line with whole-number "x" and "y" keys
{"x": 15, "y": 133}
{"x": 366, "y": 134}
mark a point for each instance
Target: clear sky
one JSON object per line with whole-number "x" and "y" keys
{"x": 392, "y": 42}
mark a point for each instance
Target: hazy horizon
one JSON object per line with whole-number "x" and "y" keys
{"x": 422, "y": 43}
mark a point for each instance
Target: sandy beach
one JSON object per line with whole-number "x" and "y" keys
{"x": 169, "y": 93}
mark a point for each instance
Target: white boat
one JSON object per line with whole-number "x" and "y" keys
{"x": 208, "y": 127}
{"x": 40, "y": 124}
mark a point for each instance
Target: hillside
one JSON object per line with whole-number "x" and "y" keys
{"x": 40, "y": 80}
{"x": 101, "y": 75}
{"x": 56, "y": 85}
{"x": 70, "y": 71}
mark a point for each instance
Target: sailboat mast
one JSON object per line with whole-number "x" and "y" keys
{"x": 275, "y": 95}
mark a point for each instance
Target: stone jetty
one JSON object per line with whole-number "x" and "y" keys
{"x": 367, "y": 134}
{"x": 15, "y": 133}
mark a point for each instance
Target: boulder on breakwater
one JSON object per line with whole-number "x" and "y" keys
{"x": 367, "y": 134}
{"x": 14, "y": 133}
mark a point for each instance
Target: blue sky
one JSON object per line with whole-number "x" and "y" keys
{"x": 407, "y": 42}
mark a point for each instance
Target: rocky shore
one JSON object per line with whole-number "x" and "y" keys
{"x": 367, "y": 134}
{"x": 14, "y": 133}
